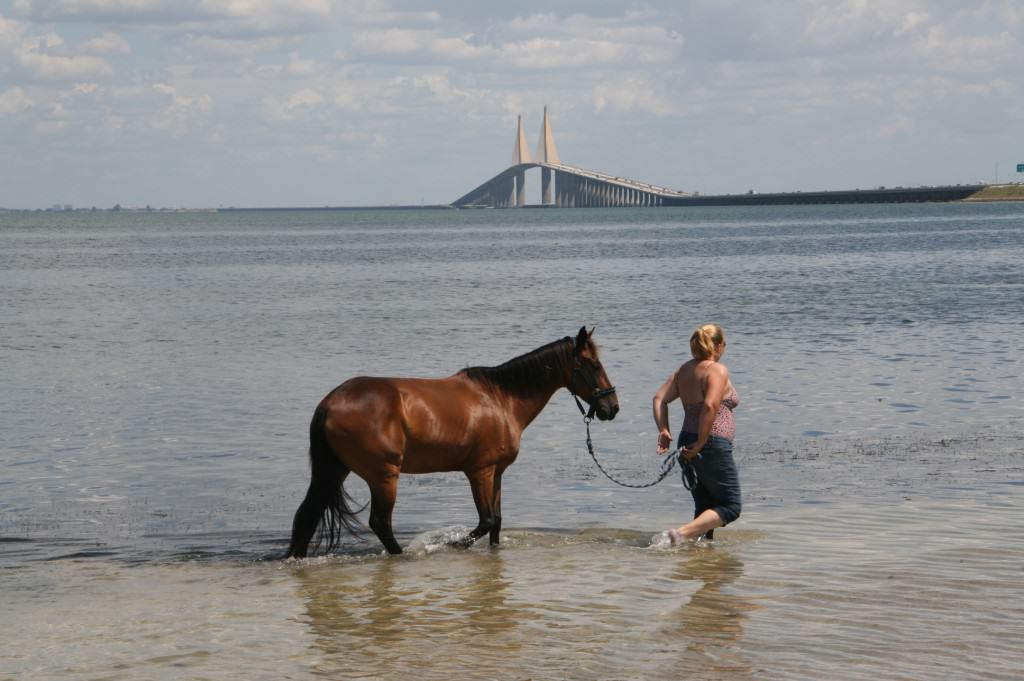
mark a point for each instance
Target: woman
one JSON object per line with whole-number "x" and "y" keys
{"x": 706, "y": 437}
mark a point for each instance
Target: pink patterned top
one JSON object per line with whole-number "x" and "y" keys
{"x": 724, "y": 426}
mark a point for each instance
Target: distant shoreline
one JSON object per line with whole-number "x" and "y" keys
{"x": 969, "y": 193}
{"x": 332, "y": 208}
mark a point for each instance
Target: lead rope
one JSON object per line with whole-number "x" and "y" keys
{"x": 689, "y": 473}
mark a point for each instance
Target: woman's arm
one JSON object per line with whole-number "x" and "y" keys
{"x": 666, "y": 394}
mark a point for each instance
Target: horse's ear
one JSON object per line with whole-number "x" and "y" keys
{"x": 581, "y": 339}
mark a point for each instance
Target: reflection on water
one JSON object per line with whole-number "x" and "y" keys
{"x": 709, "y": 628}
{"x": 400, "y": 614}
{"x": 542, "y": 606}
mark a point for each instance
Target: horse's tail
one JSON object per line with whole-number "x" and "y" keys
{"x": 326, "y": 504}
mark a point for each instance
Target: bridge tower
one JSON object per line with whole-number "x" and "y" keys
{"x": 520, "y": 155}
{"x": 546, "y": 153}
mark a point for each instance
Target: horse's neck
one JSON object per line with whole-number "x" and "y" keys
{"x": 528, "y": 407}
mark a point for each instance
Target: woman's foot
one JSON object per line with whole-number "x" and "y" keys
{"x": 675, "y": 537}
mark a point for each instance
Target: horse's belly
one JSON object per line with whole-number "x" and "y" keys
{"x": 434, "y": 459}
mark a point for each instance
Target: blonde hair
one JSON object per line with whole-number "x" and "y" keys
{"x": 705, "y": 339}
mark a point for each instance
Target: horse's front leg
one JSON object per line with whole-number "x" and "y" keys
{"x": 496, "y": 508}
{"x": 481, "y": 481}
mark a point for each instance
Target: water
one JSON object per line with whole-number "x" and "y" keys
{"x": 160, "y": 370}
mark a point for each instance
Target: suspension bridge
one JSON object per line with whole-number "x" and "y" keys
{"x": 562, "y": 185}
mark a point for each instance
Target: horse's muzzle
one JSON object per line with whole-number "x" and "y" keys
{"x": 606, "y": 409}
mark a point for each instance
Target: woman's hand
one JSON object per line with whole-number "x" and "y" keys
{"x": 690, "y": 452}
{"x": 664, "y": 441}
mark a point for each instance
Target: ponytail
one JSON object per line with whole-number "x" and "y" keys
{"x": 704, "y": 340}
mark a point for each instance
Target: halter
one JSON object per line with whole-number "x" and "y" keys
{"x": 595, "y": 392}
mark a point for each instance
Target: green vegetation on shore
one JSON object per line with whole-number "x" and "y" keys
{"x": 999, "y": 192}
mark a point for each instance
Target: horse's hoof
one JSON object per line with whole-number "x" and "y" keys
{"x": 464, "y": 543}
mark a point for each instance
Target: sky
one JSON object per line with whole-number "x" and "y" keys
{"x": 207, "y": 103}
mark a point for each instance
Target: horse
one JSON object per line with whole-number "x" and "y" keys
{"x": 472, "y": 421}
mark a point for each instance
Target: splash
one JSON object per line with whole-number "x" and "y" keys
{"x": 433, "y": 541}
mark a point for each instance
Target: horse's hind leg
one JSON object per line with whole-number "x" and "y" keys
{"x": 307, "y": 518}
{"x": 382, "y": 503}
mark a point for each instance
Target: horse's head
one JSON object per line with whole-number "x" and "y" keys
{"x": 588, "y": 379}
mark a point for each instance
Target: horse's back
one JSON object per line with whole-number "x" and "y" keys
{"x": 419, "y": 424}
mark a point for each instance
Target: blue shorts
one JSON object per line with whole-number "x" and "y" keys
{"x": 718, "y": 481}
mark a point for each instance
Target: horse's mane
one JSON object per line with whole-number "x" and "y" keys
{"x": 521, "y": 375}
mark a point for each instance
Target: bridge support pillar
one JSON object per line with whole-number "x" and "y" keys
{"x": 521, "y": 188}
{"x": 545, "y": 183}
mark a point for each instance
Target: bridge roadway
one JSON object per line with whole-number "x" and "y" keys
{"x": 579, "y": 188}
{"x": 881, "y": 195}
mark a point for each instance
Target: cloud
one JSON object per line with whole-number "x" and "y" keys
{"x": 296, "y": 68}
{"x": 179, "y": 113}
{"x": 207, "y": 17}
{"x": 108, "y": 43}
{"x": 633, "y": 94}
{"x": 947, "y": 51}
{"x": 14, "y": 101}
{"x": 380, "y": 13}
{"x": 32, "y": 55}
{"x": 532, "y": 42}
{"x": 40, "y": 64}
{"x": 297, "y": 106}
{"x": 205, "y": 49}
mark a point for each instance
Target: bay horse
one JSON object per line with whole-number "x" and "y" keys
{"x": 472, "y": 422}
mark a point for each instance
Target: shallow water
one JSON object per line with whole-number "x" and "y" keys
{"x": 160, "y": 371}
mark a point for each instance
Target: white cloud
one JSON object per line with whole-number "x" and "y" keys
{"x": 297, "y": 106}
{"x": 617, "y": 47}
{"x": 296, "y": 68}
{"x": 946, "y": 50}
{"x": 380, "y": 13}
{"x": 45, "y": 56}
{"x": 14, "y": 101}
{"x": 394, "y": 41}
{"x": 205, "y": 49}
{"x": 44, "y": 66}
{"x": 633, "y": 95}
{"x": 108, "y": 43}
{"x": 208, "y": 17}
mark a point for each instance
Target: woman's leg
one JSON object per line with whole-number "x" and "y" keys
{"x": 717, "y": 497}
{"x": 705, "y": 522}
